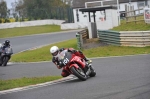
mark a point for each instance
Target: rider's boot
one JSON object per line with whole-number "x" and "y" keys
{"x": 88, "y": 60}
{"x": 83, "y": 56}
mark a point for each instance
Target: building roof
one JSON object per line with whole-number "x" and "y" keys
{"x": 81, "y": 3}
{"x": 97, "y": 8}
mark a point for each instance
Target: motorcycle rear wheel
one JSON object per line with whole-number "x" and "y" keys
{"x": 78, "y": 72}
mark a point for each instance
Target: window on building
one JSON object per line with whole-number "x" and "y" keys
{"x": 141, "y": 4}
{"x": 85, "y": 16}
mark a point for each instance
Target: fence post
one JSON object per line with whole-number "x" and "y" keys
{"x": 79, "y": 41}
{"x": 126, "y": 14}
{"x": 135, "y": 16}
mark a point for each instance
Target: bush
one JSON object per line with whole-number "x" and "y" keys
{"x": 17, "y": 19}
{"x": 21, "y": 20}
{"x": 6, "y": 21}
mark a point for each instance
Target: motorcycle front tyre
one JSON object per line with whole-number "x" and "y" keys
{"x": 5, "y": 61}
{"x": 93, "y": 73}
{"x": 78, "y": 72}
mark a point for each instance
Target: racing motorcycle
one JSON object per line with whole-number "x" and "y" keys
{"x": 5, "y": 55}
{"x": 76, "y": 65}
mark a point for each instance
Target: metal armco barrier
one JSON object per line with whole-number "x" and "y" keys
{"x": 125, "y": 38}
{"x": 81, "y": 38}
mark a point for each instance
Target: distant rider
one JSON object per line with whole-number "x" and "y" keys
{"x": 54, "y": 50}
{"x": 3, "y": 46}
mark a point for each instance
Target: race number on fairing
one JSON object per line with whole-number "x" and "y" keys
{"x": 65, "y": 61}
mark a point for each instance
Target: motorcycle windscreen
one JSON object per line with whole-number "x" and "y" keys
{"x": 8, "y": 50}
{"x": 65, "y": 57}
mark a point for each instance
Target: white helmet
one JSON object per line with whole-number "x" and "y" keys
{"x": 54, "y": 50}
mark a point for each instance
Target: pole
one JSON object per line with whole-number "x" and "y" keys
{"x": 118, "y": 12}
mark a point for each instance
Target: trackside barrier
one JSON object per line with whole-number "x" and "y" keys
{"x": 31, "y": 23}
{"x": 125, "y": 38}
{"x": 81, "y": 38}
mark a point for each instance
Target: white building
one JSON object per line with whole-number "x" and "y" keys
{"x": 83, "y": 17}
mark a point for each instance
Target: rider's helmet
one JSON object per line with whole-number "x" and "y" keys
{"x": 7, "y": 42}
{"x": 54, "y": 50}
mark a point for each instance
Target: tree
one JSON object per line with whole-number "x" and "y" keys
{"x": 3, "y": 9}
{"x": 39, "y": 9}
{"x": 20, "y": 9}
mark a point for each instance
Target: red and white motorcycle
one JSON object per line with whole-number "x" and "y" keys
{"x": 76, "y": 65}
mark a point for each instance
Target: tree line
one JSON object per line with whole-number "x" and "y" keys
{"x": 36, "y": 9}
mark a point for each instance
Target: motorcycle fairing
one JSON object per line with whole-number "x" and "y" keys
{"x": 70, "y": 59}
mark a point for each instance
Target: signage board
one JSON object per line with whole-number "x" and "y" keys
{"x": 147, "y": 15}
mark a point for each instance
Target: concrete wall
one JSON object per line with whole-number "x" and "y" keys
{"x": 77, "y": 25}
{"x": 30, "y": 23}
{"x": 105, "y": 25}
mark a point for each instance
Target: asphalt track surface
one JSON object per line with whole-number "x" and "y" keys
{"x": 125, "y": 77}
{"x": 117, "y": 78}
{"x": 22, "y": 43}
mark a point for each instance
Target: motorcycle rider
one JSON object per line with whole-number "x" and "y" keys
{"x": 54, "y": 50}
{"x": 6, "y": 44}
{"x": 3, "y": 46}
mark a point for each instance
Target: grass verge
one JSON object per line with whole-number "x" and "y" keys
{"x": 15, "y": 83}
{"x": 44, "y": 54}
{"x": 138, "y": 26}
{"x": 21, "y": 31}
{"x": 41, "y": 54}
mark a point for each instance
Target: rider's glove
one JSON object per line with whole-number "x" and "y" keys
{"x": 61, "y": 64}
{"x": 72, "y": 51}
{"x": 61, "y": 49}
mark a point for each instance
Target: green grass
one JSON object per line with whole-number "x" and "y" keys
{"x": 44, "y": 54}
{"x": 139, "y": 26}
{"x": 41, "y": 54}
{"x": 21, "y": 31}
{"x": 15, "y": 83}
{"x": 115, "y": 51}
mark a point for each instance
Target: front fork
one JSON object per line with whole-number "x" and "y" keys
{"x": 2, "y": 57}
{"x": 89, "y": 69}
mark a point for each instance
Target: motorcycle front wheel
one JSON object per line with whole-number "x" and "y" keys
{"x": 5, "y": 61}
{"x": 93, "y": 73}
{"x": 78, "y": 72}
